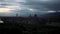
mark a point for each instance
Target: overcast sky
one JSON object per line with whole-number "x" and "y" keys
{"x": 26, "y": 7}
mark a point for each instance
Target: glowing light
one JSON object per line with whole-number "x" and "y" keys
{"x": 5, "y": 9}
{"x": 31, "y": 9}
{"x": 9, "y": 8}
{"x": 51, "y": 11}
{"x": 1, "y": 21}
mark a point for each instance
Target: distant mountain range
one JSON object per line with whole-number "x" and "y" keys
{"x": 55, "y": 14}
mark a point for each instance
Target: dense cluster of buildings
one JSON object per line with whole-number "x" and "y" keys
{"x": 31, "y": 20}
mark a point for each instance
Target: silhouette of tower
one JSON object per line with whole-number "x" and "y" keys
{"x": 16, "y": 14}
{"x": 35, "y": 15}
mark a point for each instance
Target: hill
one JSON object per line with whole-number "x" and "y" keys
{"x": 55, "y": 14}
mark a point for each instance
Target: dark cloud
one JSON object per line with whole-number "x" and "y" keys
{"x": 43, "y": 5}
{"x": 53, "y": 6}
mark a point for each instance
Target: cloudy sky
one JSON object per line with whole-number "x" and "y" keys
{"x": 27, "y": 7}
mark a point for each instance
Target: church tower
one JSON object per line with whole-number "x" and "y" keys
{"x": 16, "y": 14}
